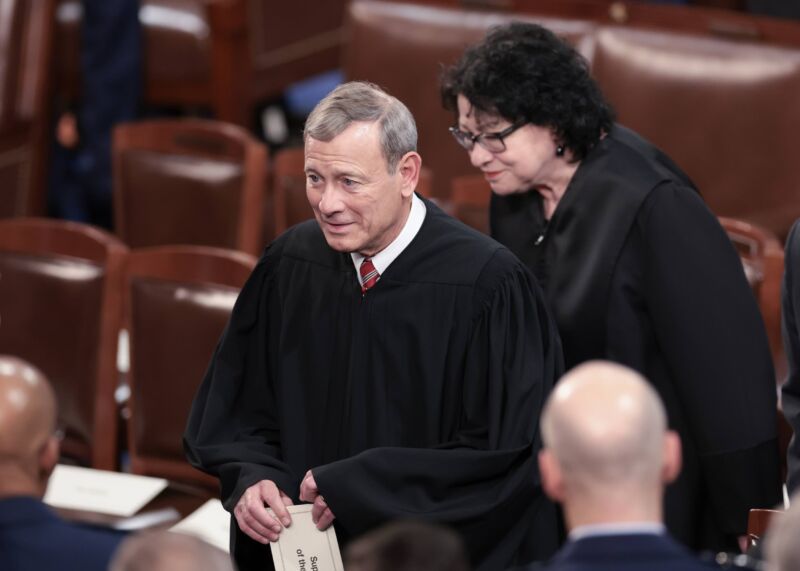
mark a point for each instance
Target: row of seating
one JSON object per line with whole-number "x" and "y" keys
{"x": 66, "y": 292}
{"x": 716, "y": 90}
{"x": 222, "y": 55}
{"x": 713, "y": 88}
{"x": 226, "y": 56}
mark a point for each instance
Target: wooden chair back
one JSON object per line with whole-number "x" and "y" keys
{"x": 762, "y": 257}
{"x": 189, "y": 181}
{"x": 61, "y": 310}
{"x": 26, "y": 31}
{"x": 177, "y": 302}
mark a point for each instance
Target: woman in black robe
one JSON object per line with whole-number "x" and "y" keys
{"x": 635, "y": 266}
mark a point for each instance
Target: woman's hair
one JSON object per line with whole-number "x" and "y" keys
{"x": 524, "y": 72}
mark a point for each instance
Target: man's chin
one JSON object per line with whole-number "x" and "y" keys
{"x": 340, "y": 243}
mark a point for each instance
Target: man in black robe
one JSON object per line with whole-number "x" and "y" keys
{"x": 383, "y": 361}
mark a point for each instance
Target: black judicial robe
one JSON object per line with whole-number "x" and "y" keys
{"x": 637, "y": 270}
{"x": 420, "y": 399}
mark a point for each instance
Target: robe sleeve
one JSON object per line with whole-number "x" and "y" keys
{"x": 791, "y": 343}
{"x": 708, "y": 326}
{"x": 484, "y": 482}
{"x": 233, "y": 427}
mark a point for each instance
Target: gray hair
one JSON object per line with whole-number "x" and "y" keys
{"x": 363, "y": 101}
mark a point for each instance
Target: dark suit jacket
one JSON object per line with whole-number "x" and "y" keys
{"x": 33, "y": 538}
{"x": 790, "y": 305}
{"x": 633, "y": 552}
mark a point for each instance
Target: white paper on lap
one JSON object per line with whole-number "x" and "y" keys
{"x": 100, "y": 491}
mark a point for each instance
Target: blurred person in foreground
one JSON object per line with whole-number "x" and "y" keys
{"x": 781, "y": 545}
{"x": 32, "y": 536}
{"x": 790, "y": 324}
{"x": 607, "y": 457}
{"x": 407, "y": 546}
{"x": 169, "y": 551}
{"x": 383, "y": 361}
{"x": 635, "y": 267}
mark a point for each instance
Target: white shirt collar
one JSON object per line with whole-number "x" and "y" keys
{"x": 627, "y": 528}
{"x": 382, "y": 259}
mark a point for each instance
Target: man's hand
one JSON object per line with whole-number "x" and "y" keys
{"x": 321, "y": 514}
{"x": 253, "y": 517}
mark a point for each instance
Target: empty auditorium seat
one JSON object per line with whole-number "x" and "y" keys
{"x": 26, "y": 30}
{"x": 188, "y": 181}
{"x": 762, "y": 257}
{"x": 177, "y": 302}
{"x": 721, "y": 110}
{"x": 61, "y": 310}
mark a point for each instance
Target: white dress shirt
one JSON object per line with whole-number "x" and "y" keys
{"x": 382, "y": 259}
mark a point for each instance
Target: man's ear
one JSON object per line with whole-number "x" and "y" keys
{"x": 672, "y": 461}
{"x": 552, "y": 477}
{"x": 48, "y": 457}
{"x": 409, "y": 169}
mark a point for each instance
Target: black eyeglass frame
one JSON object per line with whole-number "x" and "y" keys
{"x": 467, "y": 141}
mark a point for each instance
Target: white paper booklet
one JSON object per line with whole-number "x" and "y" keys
{"x": 210, "y": 522}
{"x": 112, "y": 493}
{"x": 302, "y": 547}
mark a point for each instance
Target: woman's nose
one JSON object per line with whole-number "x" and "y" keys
{"x": 479, "y": 156}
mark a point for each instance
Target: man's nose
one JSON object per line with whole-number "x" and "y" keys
{"x": 330, "y": 202}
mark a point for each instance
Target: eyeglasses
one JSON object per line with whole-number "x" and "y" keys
{"x": 492, "y": 142}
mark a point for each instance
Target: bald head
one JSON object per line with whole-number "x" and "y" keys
{"x": 27, "y": 408}
{"x": 606, "y": 426}
{"x": 781, "y": 546}
{"x": 28, "y": 449}
{"x": 168, "y": 551}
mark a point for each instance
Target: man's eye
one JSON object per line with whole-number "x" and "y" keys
{"x": 348, "y": 182}
{"x": 312, "y": 178}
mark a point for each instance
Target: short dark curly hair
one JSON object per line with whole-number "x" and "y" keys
{"x": 524, "y": 72}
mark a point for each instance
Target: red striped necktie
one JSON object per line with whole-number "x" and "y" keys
{"x": 369, "y": 275}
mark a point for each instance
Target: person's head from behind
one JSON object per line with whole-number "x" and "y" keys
{"x": 781, "y": 548}
{"x": 525, "y": 106}
{"x": 607, "y": 452}
{"x": 29, "y": 447}
{"x": 407, "y": 546}
{"x": 168, "y": 551}
{"x": 361, "y": 167}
